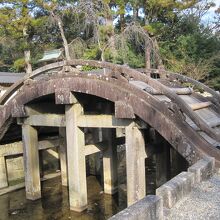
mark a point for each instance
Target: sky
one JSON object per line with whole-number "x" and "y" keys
{"x": 209, "y": 17}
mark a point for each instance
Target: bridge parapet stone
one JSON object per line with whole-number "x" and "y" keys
{"x": 203, "y": 169}
{"x": 182, "y": 184}
{"x": 150, "y": 207}
{"x": 175, "y": 189}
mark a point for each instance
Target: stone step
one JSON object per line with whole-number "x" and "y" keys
{"x": 200, "y": 105}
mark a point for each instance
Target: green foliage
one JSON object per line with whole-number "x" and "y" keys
{"x": 191, "y": 49}
{"x": 92, "y": 53}
{"x": 19, "y": 65}
{"x": 77, "y": 48}
{"x": 88, "y": 68}
{"x": 154, "y": 28}
{"x": 129, "y": 57}
{"x": 106, "y": 32}
{"x": 185, "y": 44}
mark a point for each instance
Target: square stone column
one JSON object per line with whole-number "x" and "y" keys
{"x": 110, "y": 162}
{"x": 162, "y": 163}
{"x": 95, "y": 160}
{"x": 3, "y": 173}
{"x": 135, "y": 164}
{"x": 76, "y": 159}
{"x": 31, "y": 162}
{"x": 63, "y": 156}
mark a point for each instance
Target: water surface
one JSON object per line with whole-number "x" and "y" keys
{"x": 55, "y": 205}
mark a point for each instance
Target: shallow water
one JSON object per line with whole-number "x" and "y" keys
{"x": 54, "y": 203}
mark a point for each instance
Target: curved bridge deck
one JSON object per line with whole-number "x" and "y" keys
{"x": 168, "y": 102}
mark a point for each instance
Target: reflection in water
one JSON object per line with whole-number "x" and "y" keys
{"x": 54, "y": 203}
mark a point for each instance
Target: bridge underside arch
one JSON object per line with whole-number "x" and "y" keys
{"x": 128, "y": 104}
{"x": 131, "y": 108}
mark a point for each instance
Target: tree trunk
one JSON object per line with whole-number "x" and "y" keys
{"x": 135, "y": 13}
{"x": 109, "y": 21}
{"x": 27, "y": 58}
{"x": 103, "y": 59}
{"x": 122, "y": 22}
{"x": 111, "y": 40}
{"x": 160, "y": 65}
{"x": 147, "y": 55}
{"x": 65, "y": 43}
{"x": 146, "y": 15}
{"x": 27, "y": 54}
{"x": 146, "y": 19}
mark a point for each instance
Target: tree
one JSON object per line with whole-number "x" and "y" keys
{"x": 153, "y": 33}
{"x": 17, "y": 22}
{"x": 56, "y": 10}
{"x": 97, "y": 18}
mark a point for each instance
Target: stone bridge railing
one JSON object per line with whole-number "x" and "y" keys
{"x": 153, "y": 207}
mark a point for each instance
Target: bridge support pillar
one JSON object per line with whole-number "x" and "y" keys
{"x": 162, "y": 164}
{"x": 41, "y": 163}
{"x": 110, "y": 162}
{"x": 95, "y": 159}
{"x": 178, "y": 163}
{"x": 76, "y": 159}
{"x": 3, "y": 173}
{"x": 63, "y": 159}
{"x": 135, "y": 164}
{"x": 31, "y": 162}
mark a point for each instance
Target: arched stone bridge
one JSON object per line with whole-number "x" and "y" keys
{"x": 112, "y": 96}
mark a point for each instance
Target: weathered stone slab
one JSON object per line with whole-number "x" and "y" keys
{"x": 175, "y": 189}
{"x": 64, "y": 96}
{"x": 170, "y": 192}
{"x": 15, "y": 167}
{"x": 203, "y": 169}
{"x": 135, "y": 164}
{"x": 3, "y": 173}
{"x": 63, "y": 157}
{"x": 123, "y": 110}
{"x": 76, "y": 163}
{"x": 18, "y": 111}
{"x": 150, "y": 208}
{"x": 188, "y": 181}
{"x": 110, "y": 162}
{"x": 31, "y": 162}
{"x": 22, "y": 185}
